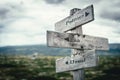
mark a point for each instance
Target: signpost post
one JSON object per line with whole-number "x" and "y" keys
{"x": 78, "y": 74}
{"x": 83, "y": 46}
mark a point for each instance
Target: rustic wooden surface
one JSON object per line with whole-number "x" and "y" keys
{"x": 79, "y": 18}
{"x": 76, "y": 41}
{"x": 88, "y": 59}
{"x": 73, "y": 37}
{"x": 78, "y": 74}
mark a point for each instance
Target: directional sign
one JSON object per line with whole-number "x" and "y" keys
{"x": 88, "y": 59}
{"x": 79, "y": 18}
{"x": 76, "y": 41}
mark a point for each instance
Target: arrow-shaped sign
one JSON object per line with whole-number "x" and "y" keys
{"x": 79, "y": 18}
{"x": 76, "y": 41}
{"x": 88, "y": 59}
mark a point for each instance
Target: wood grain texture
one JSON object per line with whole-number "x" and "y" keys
{"x": 79, "y": 18}
{"x": 78, "y": 74}
{"x": 88, "y": 59}
{"x": 76, "y": 41}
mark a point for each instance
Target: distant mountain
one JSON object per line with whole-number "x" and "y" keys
{"x": 114, "y": 49}
{"x": 27, "y": 50}
{"x": 44, "y": 50}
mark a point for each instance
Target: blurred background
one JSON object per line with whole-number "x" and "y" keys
{"x": 24, "y": 54}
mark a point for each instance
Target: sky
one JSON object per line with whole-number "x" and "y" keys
{"x": 25, "y": 22}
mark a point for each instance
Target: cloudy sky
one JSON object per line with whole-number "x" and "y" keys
{"x": 25, "y": 22}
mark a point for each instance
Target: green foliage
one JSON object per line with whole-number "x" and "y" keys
{"x": 43, "y": 68}
{"x": 108, "y": 69}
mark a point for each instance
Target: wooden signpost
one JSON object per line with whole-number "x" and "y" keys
{"x": 83, "y": 46}
{"x": 76, "y": 41}
{"x": 88, "y": 59}
{"x": 79, "y": 18}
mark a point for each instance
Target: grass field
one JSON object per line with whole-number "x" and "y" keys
{"x": 43, "y": 68}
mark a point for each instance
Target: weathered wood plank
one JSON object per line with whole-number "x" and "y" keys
{"x": 76, "y": 41}
{"x": 79, "y": 18}
{"x": 88, "y": 59}
{"x": 79, "y": 74}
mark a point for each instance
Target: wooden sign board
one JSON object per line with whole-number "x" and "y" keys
{"x": 76, "y": 41}
{"x": 79, "y": 18}
{"x": 88, "y": 59}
